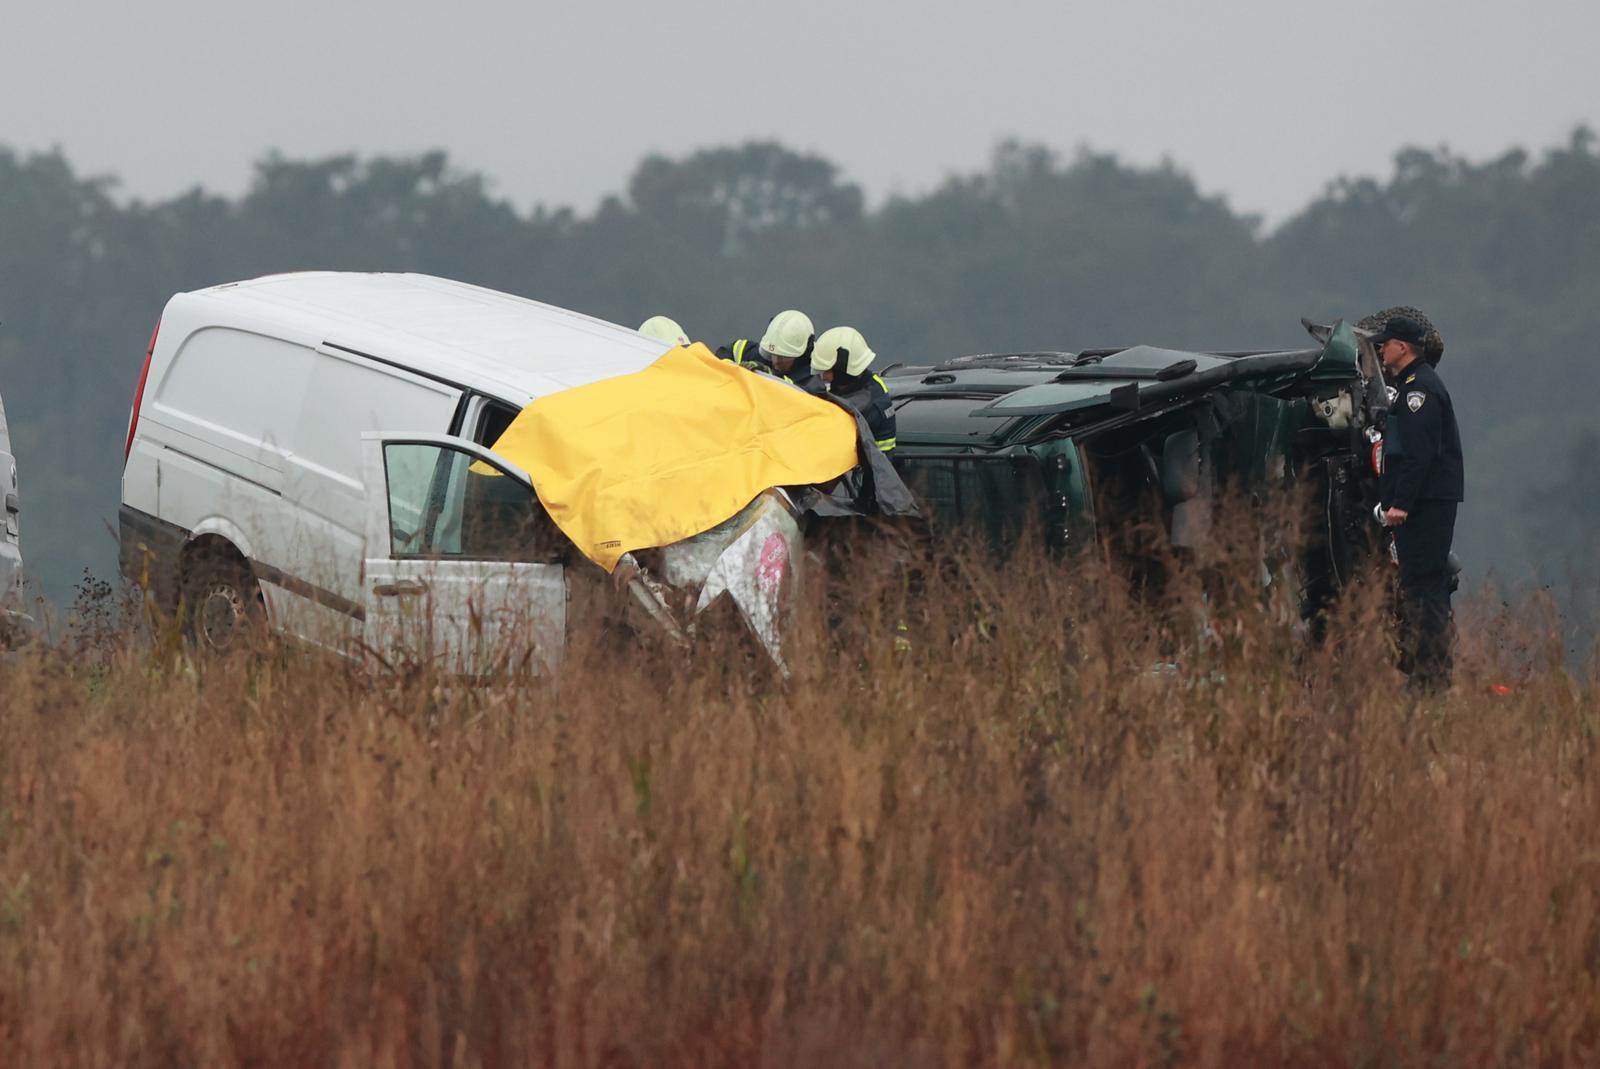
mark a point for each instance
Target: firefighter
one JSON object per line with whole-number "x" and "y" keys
{"x": 663, "y": 329}
{"x": 784, "y": 350}
{"x": 843, "y": 361}
{"x": 787, "y": 346}
{"x": 1420, "y": 489}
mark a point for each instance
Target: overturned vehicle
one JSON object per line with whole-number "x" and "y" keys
{"x": 1088, "y": 448}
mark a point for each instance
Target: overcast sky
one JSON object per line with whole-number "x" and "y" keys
{"x": 1263, "y": 100}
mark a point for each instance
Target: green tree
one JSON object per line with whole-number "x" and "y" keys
{"x": 721, "y": 201}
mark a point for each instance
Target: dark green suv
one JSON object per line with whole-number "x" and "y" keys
{"x": 1084, "y": 447}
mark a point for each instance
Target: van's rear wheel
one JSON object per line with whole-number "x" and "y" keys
{"x": 222, "y": 603}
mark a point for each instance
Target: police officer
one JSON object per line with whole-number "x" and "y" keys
{"x": 843, "y": 360}
{"x": 1419, "y": 491}
{"x": 784, "y": 350}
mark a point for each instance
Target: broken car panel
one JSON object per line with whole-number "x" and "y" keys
{"x": 1079, "y": 445}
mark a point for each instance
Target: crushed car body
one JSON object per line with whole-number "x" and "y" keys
{"x": 1082, "y": 447}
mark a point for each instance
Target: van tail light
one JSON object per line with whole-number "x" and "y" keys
{"x": 138, "y": 394}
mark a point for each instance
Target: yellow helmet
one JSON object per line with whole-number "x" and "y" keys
{"x": 663, "y": 329}
{"x": 787, "y": 335}
{"x": 842, "y": 345}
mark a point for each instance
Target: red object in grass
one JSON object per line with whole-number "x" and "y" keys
{"x": 1500, "y": 689}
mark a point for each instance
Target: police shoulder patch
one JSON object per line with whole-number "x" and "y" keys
{"x": 1414, "y": 399}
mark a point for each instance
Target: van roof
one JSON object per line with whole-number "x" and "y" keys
{"x": 439, "y": 327}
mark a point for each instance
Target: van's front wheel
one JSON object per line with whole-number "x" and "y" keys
{"x": 221, "y": 603}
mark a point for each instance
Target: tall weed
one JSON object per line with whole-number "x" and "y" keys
{"x": 1016, "y": 812}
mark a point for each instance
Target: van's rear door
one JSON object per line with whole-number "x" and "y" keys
{"x": 463, "y": 567}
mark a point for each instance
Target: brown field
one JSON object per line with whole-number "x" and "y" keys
{"x": 1012, "y": 843}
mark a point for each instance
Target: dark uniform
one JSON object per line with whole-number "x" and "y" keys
{"x": 746, "y": 353}
{"x": 869, "y": 395}
{"x": 801, "y": 375}
{"x": 1422, "y": 474}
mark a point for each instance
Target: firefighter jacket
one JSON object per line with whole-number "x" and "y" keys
{"x": 745, "y": 353}
{"x": 869, "y": 395}
{"x": 748, "y": 354}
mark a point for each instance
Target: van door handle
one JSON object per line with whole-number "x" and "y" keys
{"x": 400, "y": 588}
{"x": 13, "y": 504}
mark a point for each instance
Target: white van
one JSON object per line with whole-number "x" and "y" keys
{"x": 302, "y": 447}
{"x": 11, "y": 617}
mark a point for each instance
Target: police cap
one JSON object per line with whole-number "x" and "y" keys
{"x": 1402, "y": 328}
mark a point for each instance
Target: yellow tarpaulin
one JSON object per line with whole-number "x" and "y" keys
{"x": 651, "y": 458}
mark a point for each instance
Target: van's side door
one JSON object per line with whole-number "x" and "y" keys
{"x": 464, "y": 569}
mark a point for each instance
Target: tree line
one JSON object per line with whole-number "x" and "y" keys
{"x": 1035, "y": 251}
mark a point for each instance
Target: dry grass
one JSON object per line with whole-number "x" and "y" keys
{"x": 1011, "y": 844}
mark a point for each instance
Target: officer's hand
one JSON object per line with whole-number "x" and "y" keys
{"x": 1394, "y": 517}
